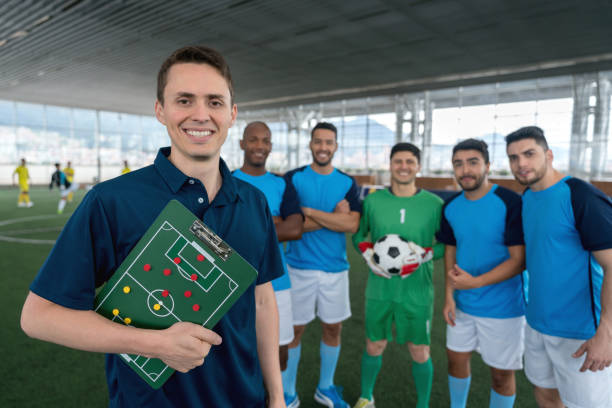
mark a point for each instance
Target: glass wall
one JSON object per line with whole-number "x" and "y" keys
{"x": 574, "y": 112}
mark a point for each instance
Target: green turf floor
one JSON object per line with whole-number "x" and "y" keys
{"x": 38, "y": 374}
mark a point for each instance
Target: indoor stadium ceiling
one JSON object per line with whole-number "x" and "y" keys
{"x": 104, "y": 54}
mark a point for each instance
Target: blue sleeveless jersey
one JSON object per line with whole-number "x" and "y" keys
{"x": 563, "y": 224}
{"x": 282, "y": 200}
{"x": 482, "y": 230}
{"x": 322, "y": 249}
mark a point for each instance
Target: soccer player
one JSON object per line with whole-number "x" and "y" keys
{"x": 285, "y": 208}
{"x": 126, "y": 168}
{"x": 227, "y": 367}
{"x": 414, "y": 214}
{"x": 484, "y": 256}
{"x": 567, "y": 225}
{"x": 317, "y": 263}
{"x": 59, "y": 179}
{"x": 69, "y": 172}
{"x": 23, "y": 176}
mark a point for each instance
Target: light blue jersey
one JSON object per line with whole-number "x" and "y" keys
{"x": 282, "y": 200}
{"x": 323, "y": 249}
{"x": 563, "y": 224}
{"x": 482, "y": 230}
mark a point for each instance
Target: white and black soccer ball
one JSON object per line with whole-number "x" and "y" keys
{"x": 391, "y": 252}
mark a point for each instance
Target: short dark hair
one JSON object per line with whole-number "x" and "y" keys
{"x": 406, "y": 147}
{"x": 197, "y": 54}
{"x": 325, "y": 125}
{"x": 528, "y": 132}
{"x": 473, "y": 144}
{"x": 255, "y": 123}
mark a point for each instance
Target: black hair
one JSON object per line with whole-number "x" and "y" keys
{"x": 406, "y": 147}
{"x": 528, "y": 132}
{"x": 325, "y": 125}
{"x": 255, "y": 123}
{"x": 473, "y": 144}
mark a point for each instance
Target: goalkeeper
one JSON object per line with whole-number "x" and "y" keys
{"x": 406, "y": 299}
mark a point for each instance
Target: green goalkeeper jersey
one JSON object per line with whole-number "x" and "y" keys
{"x": 415, "y": 218}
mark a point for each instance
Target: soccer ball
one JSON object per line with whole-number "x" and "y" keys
{"x": 391, "y": 252}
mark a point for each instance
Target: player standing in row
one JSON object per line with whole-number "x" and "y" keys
{"x": 23, "y": 176}
{"x": 59, "y": 179}
{"x": 195, "y": 103}
{"x": 285, "y": 208}
{"x": 317, "y": 263}
{"x": 484, "y": 256}
{"x": 69, "y": 172}
{"x": 126, "y": 168}
{"x": 567, "y": 225}
{"x": 407, "y": 301}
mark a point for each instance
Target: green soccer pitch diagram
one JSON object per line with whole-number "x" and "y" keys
{"x": 180, "y": 270}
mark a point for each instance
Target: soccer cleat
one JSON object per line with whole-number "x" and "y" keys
{"x": 365, "y": 403}
{"x": 21, "y": 204}
{"x": 292, "y": 401}
{"x": 30, "y": 204}
{"x": 331, "y": 397}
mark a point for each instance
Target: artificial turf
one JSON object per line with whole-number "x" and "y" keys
{"x": 39, "y": 374}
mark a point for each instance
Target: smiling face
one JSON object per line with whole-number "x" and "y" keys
{"x": 323, "y": 146}
{"x": 529, "y": 161}
{"x": 257, "y": 144}
{"x": 197, "y": 112}
{"x": 404, "y": 167}
{"x": 470, "y": 169}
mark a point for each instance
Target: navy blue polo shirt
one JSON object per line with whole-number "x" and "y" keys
{"x": 105, "y": 227}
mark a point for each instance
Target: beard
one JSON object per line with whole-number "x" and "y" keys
{"x": 477, "y": 183}
{"x": 322, "y": 163}
{"x": 538, "y": 174}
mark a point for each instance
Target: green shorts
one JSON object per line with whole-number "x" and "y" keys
{"x": 412, "y": 323}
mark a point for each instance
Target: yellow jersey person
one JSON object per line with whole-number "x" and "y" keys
{"x": 24, "y": 186}
{"x": 126, "y": 168}
{"x": 69, "y": 172}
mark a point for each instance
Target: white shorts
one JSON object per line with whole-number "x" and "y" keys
{"x": 325, "y": 292}
{"x": 285, "y": 317}
{"x": 549, "y": 364}
{"x": 65, "y": 191}
{"x": 499, "y": 341}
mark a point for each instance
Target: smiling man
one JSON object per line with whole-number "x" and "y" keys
{"x": 484, "y": 255}
{"x": 317, "y": 263}
{"x": 220, "y": 368}
{"x": 568, "y": 245}
{"x": 285, "y": 208}
{"x": 407, "y": 302}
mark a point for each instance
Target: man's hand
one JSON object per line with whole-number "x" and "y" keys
{"x": 186, "y": 345}
{"x": 448, "y": 312}
{"x": 367, "y": 251}
{"x": 461, "y": 279}
{"x": 420, "y": 256}
{"x": 277, "y": 219}
{"x": 598, "y": 350}
{"x": 342, "y": 207}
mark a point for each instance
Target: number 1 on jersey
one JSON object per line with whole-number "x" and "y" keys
{"x": 402, "y": 215}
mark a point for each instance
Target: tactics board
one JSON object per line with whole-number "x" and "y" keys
{"x": 180, "y": 270}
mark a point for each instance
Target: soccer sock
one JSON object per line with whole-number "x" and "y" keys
{"x": 501, "y": 401}
{"x": 423, "y": 378}
{"x": 61, "y": 205}
{"x": 459, "y": 389}
{"x": 290, "y": 374}
{"x": 370, "y": 366}
{"x": 27, "y": 198}
{"x": 329, "y": 359}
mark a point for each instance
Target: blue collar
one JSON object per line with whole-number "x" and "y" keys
{"x": 174, "y": 178}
